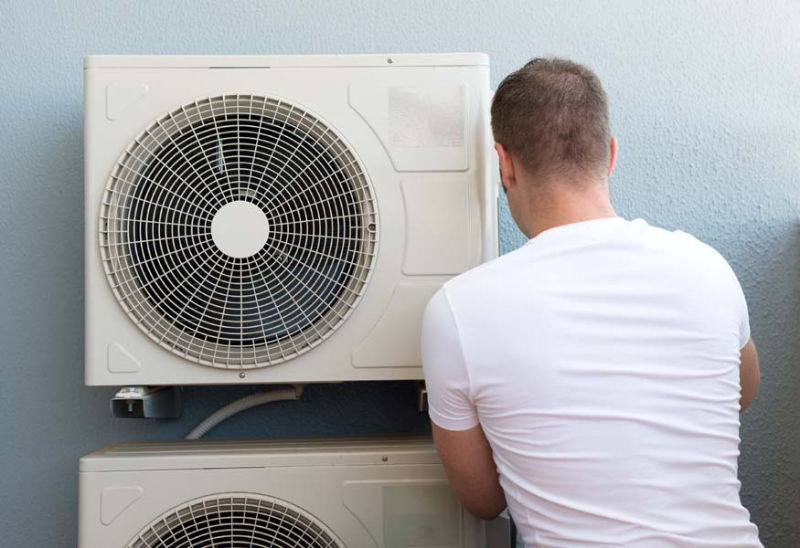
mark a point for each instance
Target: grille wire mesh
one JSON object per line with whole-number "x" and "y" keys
{"x": 191, "y": 297}
{"x": 236, "y": 521}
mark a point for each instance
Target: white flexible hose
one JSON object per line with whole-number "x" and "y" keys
{"x": 242, "y": 404}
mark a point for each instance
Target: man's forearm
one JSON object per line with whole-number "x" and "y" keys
{"x": 749, "y": 375}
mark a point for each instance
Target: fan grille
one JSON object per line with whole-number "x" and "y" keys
{"x": 204, "y": 302}
{"x": 236, "y": 521}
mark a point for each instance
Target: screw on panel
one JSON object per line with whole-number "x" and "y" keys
{"x": 384, "y": 459}
{"x": 242, "y": 375}
{"x": 389, "y": 60}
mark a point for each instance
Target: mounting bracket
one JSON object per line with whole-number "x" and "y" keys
{"x": 144, "y": 402}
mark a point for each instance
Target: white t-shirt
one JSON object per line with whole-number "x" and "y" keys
{"x": 602, "y": 361}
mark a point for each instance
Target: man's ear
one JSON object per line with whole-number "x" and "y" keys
{"x": 612, "y": 155}
{"x": 507, "y": 175}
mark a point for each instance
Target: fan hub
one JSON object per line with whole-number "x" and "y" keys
{"x": 240, "y": 229}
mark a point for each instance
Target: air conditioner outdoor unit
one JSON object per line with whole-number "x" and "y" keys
{"x": 278, "y": 218}
{"x": 305, "y": 493}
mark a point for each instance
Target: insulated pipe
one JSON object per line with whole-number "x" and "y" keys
{"x": 242, "y": 404}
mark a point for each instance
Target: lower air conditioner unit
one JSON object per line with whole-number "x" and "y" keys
{"x": 296, "y": 493}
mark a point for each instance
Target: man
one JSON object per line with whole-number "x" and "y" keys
{"x": 593, "y": 378}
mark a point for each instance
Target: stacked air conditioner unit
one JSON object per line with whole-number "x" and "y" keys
{"x": 279, "y": 219}
{"x": 307, "y": 493}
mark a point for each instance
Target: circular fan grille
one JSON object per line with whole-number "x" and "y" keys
{"x": 238, "y": 231}
{"x": 236, "y": 521}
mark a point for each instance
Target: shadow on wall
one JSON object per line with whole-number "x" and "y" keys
{"x": 770, "y": 449}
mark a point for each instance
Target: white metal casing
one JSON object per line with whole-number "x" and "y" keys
{"x": 436, "y": 208}
{"x": 370, "y": 493}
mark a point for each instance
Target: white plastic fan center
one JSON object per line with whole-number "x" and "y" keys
{"x": 240, "y": 229}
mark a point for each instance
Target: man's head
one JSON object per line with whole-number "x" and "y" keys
{"x": 550, "y": 124}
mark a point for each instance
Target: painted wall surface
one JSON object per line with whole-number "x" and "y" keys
{"x": 705, "y": 100}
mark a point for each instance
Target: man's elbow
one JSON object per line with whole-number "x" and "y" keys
{"x": 488, "y": 515}
{"x": 749, "y": 393}
{"x": 486, "y": 509}
{"x": 749, "y": 375}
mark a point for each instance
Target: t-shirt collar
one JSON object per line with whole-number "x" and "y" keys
{"x": 592, "y": 226}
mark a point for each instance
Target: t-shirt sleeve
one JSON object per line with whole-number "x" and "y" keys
{"x": 740, "y": 307}
{"x": 446, "y": 377}
{"x": 744, "y": 319}
{"x": 734, "y": 296}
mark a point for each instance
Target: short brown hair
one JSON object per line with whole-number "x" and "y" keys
{"x": 552, "y": 114}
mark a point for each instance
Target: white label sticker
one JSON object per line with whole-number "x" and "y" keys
{"x": 426, "y": 117}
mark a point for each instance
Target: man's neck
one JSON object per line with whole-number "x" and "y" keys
{"x": 565, "y": 205}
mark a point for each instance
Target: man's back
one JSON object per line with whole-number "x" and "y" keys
{"x": 602, "y": 361}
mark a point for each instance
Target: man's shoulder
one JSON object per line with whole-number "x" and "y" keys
{"x": 682, "y": 255}
{"x": 486, "y": 276}
{"x": 683, "y": 243}
{"x": 531, "y": 269}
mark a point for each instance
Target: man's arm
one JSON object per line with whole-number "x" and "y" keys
{"x": 749, "y": 374}
{"x": 460, "y": 441}
{"x": 467, "y": 459}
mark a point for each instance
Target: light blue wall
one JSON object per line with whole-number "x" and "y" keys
{"x": 705, "y": 100}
